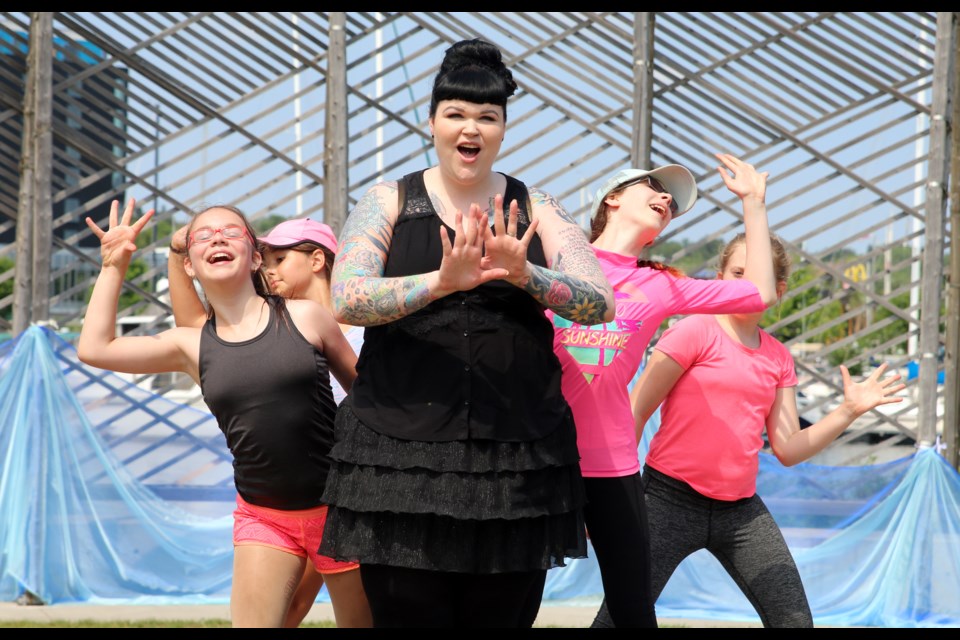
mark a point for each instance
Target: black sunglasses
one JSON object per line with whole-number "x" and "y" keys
{"x": 657, "y": 186}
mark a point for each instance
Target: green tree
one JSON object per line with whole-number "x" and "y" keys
{"x": 6, "y": 287}
{"x": 128, "y": 298}
{"x": 706, "y": 257}
{"x": 808, "y": 286}
{"x": 156, "y": 231}
{"x": 263, "y": 225}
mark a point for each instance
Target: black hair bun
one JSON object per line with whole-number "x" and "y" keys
{"x": 477, "y": 53}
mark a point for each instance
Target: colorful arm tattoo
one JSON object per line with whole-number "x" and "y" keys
{"x": 361, "y": 295}
{"x": 573, "y": 285}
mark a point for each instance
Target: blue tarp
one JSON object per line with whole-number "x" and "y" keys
{"x": 77, "y": 526}
{"x": 913, "y": 372}
{"x": 87, "y": 517}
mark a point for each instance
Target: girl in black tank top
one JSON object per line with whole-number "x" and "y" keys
{"x": 264, "y": 368}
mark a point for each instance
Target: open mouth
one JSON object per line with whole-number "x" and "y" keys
{"x": 468, "y": 151}
{"x": 220, "y": 257}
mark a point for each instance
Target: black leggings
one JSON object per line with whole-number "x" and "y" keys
{"x": 741, "y": 534}
{"x": 616, "y": 520}
{"x": 401, "y": 597}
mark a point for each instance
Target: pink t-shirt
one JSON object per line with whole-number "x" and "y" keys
{"x": 599, "y": 361}
{"x": 712, "y": 421}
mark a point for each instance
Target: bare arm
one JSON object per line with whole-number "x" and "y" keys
{"x": 363, "y": 297}
{"x": 342, "y": 358}
{"x": 751, "y": 187}
{"x": 793, "y": 445}
{"x": 572, "y": 284}
{"x": 188, "y": 310}
{"x": 656, "y": 381}
{"x": 319, "y": 327}
{"x": 98, "y": 344}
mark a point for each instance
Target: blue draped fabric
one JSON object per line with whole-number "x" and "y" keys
{"x": 76, "y": 526}
{"x": 111, "y": 494}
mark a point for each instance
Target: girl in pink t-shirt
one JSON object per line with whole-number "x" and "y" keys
{"x": 722, "y": 380}
{"x": 630, "y": 210}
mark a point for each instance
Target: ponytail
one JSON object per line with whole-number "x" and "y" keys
{"x": 659, "y": 266}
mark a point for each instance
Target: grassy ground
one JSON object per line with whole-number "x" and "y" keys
{"x": 214, "y": 623}
{"x": 150, "y": 623}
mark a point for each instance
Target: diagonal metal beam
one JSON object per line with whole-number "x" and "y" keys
{"x": 825, "y": 54}
{"x": 184, "y": 94}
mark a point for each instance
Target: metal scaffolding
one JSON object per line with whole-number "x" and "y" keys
{"x": 296, "y": 114}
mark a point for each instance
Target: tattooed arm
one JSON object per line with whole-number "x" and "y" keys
{"x": 573, "y": 286}
{"x": 363, "y": 297}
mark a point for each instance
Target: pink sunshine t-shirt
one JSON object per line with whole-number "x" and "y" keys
{"x": 712, "y": 421}
{"x": 599, "y": 361}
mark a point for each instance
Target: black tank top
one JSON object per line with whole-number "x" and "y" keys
{"x": 475, "y": 364}
{"x": 272, "y": 399}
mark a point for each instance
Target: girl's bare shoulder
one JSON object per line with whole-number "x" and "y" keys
{"x": 313, "y": 320}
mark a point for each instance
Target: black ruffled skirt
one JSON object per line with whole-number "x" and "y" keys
{"x": 472, "y": 506}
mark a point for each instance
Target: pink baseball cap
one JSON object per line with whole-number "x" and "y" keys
{"x": 290, "y": 233}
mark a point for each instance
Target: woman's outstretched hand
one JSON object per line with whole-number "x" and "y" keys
{"x": 860, "y": 397}
{"x": 461, "y": 268}
{"x": 502, "y": 248}
{"x": 742, "y": 178}
{"x": 118, "y": 242}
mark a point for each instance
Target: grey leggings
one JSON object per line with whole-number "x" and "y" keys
{"x": 741, "y": 534}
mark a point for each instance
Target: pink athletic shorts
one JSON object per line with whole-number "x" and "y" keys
{"x": 297, "y": 532}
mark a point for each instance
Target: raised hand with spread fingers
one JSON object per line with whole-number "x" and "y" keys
{"x": 503, "y": 249}
{"x": 461, "y": 268}
{"x": 118, "y": 242}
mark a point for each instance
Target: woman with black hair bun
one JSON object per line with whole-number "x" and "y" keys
{"x": 456, "y": 481}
